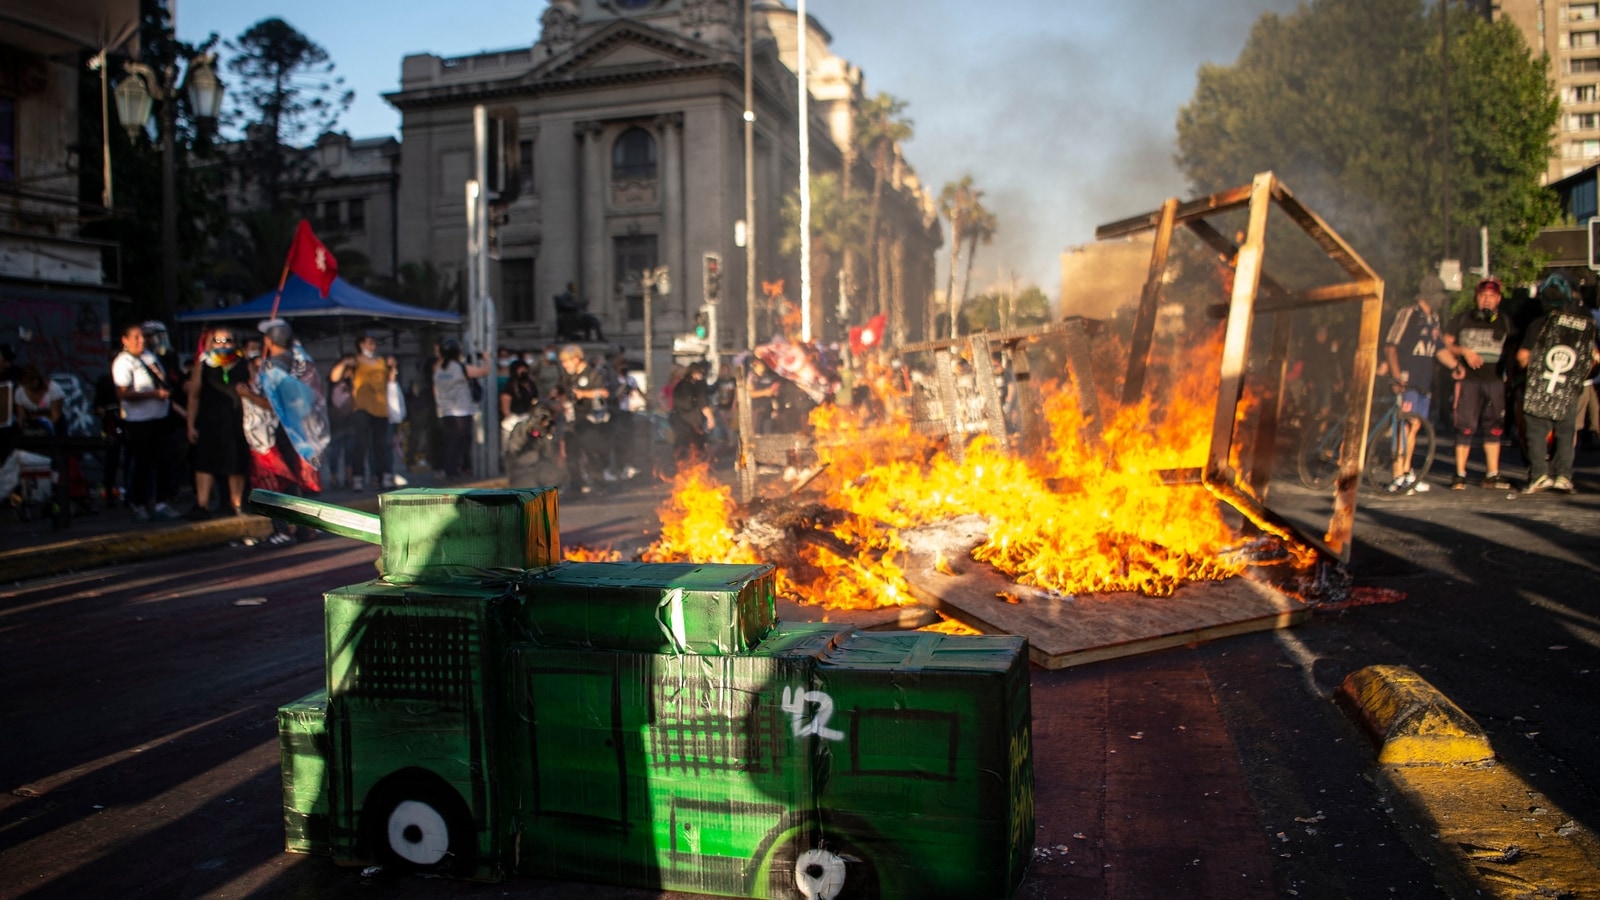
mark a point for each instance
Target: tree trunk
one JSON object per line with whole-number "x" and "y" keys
{"x": 897, "y": 293}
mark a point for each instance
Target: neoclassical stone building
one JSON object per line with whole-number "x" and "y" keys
{"x": 626, "y": 123}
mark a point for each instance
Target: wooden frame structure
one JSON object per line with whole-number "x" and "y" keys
{"x": 1255, "y": 292}
{"x": 794, "y": 449}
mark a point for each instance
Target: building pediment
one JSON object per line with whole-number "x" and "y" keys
{"x": 623, "y": 46}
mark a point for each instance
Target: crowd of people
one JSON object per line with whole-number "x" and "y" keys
{"x": 1488, "y": 375}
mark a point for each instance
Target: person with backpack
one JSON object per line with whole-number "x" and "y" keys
{"x": 457, "y": 394}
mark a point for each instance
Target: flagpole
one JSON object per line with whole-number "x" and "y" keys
{"x": 282, "y": 280}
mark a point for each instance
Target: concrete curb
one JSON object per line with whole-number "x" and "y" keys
{"x": 1487, "y": 832}
{"x": 146, "y": 542}
{"x": 1411, "y": 723}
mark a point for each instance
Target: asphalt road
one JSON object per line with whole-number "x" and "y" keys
{"x": 138, "y": 746}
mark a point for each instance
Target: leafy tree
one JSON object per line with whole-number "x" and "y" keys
{"x": 1342, "y": 99}
{"x": 285, "y": 97}
{"x": 838, "y": 222}
{"x": 997, "y": 310}
{"x": 880, "y": 125}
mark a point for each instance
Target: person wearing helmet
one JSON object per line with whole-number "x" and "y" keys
{"x": 1474, "y": 344}
{"x": 1558, "y": 350}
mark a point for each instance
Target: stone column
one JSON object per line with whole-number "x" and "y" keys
{"x": 592, "y": 253}
{"x": 670, "y": 128}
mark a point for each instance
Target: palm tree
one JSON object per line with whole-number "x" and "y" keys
{"x": 880, "y": 126}
{"x": 838, "y": 223}
{"x": 962, "y": 205}
{"x": 980, "y": 229}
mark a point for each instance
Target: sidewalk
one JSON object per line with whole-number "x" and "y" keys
{"x": 34, "y": 549}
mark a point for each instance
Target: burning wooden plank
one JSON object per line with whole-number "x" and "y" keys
{"x": 1065, "y": 630}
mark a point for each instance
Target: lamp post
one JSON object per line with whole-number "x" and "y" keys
{"x": 142, "y": 86}
{"x": 657, "y": 279}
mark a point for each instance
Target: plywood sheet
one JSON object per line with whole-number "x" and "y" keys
{"x": 1065, "y": 630}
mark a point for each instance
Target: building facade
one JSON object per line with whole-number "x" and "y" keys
{"x": 58, "y": 287}
{"x": 620, "y": 142}
{"x": 1568, "y": 31}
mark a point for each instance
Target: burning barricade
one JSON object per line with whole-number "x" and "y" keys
{"x": 1013, "y": 485}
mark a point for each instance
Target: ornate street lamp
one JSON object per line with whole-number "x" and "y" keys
{"x": 143, "y": 85}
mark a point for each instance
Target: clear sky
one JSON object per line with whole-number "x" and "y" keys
{"x": 1063, "y": 111}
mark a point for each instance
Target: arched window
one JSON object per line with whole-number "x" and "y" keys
{"x": 633, "y": 156}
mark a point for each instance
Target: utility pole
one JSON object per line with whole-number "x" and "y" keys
{"x": 805, "y": 183}
{"x": 1444, "y": 56}
{"x": 481, "y": 324}
{"x": 749, "y": 185}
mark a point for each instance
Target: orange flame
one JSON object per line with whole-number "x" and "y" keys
{"x": 1080, "y": 517}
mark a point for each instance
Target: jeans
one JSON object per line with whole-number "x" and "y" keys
{"x": 1559, "y": 465}
{"x": 147, "y": 461}
{"x": 372, "y": 444}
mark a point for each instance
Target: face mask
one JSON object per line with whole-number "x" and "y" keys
{"x": 252, "y": 354}
{"x": 369, "y": 354}
{"x": 549, "y": 357}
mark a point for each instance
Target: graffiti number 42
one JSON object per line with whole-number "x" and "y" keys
{"x": 794, "y": 703}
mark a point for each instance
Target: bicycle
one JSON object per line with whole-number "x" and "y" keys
{"x": 1318, "y": 459}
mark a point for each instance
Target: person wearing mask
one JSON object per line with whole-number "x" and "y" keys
{"x": 1557, "y": 350}
{"x": 692, "y": 417}
{"x": 288, "y": 387}
{"x": 584, "y": 395}
{"x": 214, "y": 422}
{"x": 453, "y": 398}
{"x": 1409, "y": 350}
{"x": 1474, "y": 343}
{"x": 369, "y": 419}
{"x": 143, "y": 392}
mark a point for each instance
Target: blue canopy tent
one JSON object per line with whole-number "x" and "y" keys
{"x": 301, "y": 301}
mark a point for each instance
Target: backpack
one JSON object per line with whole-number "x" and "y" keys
{"x": 341, "y": 399}
{"x": 477, "y": 389}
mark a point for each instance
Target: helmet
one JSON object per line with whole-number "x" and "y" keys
{"x": 1490, "y": 284}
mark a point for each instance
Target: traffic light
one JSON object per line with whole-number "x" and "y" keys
{"x": 702, "y": 325}
{"x": 713, "y": 277}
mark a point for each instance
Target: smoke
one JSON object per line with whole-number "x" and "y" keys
{"x": 1062, "y": 112}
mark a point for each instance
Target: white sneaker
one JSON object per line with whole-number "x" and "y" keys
{"x": 608, "y": 475}
{"x": 358, "y": 483}
{"x": 163, "y": 511}
{"x": 399, "y": 481}
{"x": 628, "y": 472}
{"x": 388, "y": 479}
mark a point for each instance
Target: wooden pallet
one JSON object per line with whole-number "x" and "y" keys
{"x": 1064, "y": 630}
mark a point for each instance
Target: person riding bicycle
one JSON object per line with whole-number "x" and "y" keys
{"x": 1474, "y": 346}
{"x": 1409, "y": 349}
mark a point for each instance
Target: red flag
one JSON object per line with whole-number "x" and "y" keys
{"x": 311, "y": 259}
{"x": 865, "y": 337}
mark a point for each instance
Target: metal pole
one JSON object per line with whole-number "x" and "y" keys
{"x": 805, "y": 183}
{"x": 749, "y": 188}
{"x": 647, "y": 281}
{"x": 481, "y": 323}
{"x": 169, "y": 202}
{"x": 1444, "y": 55}
{"x": 1483, "y": 243}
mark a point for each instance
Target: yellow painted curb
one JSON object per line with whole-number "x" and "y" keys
{"x": 1411, "y": 723}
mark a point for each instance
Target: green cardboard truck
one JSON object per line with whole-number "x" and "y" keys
{"x": 491, "y": 710}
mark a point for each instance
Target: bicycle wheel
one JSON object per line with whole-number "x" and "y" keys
{"x": 1383, "y": 444}
{"x": 1318, "y": 459}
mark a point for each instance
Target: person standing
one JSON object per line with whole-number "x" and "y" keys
{"x": 453, "y": 397}
{"x": 369, "y": 374}
{"x": 1474, "y": 343}
{"x": 214, "y": 422}
{"x": 692, "y": 417}
{"x": 1558, "y": 350}
{"x": 584, "y": 394}
{"x": 1409, "y": 350}
{"x": 142, "y": 392}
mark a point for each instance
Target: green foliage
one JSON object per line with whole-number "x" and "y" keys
{"x": 1342, "y": 99}
{"x": 285, "y": 96}
{"x": 837, "y": 221}
{"x": 998, "y": 310}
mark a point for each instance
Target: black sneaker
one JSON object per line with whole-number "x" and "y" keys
{"x": 1458, "y": 483}
{"x": 198, "y": 514}
{"x": 1494, "y": 482}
